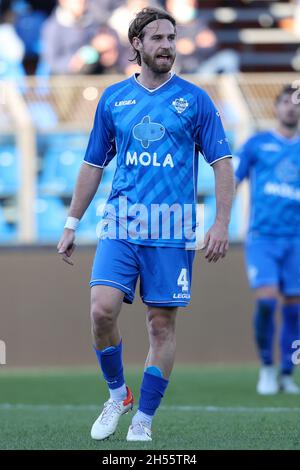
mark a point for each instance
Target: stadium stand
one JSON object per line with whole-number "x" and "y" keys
{"x": 9, "y": 170}
{"x": 262, "y": 32}
{"x": 259, "y": 90}
{"x": 50, "y": 216}
{"x": 91, "y": 222}
{"x": 60, "y": 144}
{"x": 7, "y": 230}
{"x": 61, "y": 162}
{"x": 206, "y": 182}
{"x": 45, "y": 119}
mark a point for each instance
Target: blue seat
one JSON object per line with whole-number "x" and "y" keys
{"x": 106, "y": 182}
{"x": 9, "y": 170}
{"x": 71, "y": 141}
{"x": 11, "y": 70}
{"x": 209, "y": 212}
{"x": 63, "y": 156}
{"x": 88, "y": 229}
{"x": 48, "y": 182}
{"x": 69, "y": 163}
{"x": 42, "y": 114}
{"x": 7, "y": 231}
{"x": 206, "y": 179}
{"x": 231, "y": 138}
{"x": 50, "y": 217}
{"x": 60, "y": 170}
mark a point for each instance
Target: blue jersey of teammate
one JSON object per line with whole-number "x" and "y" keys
{"x": 272, "y": 164}
{"x": 155, "y": 136}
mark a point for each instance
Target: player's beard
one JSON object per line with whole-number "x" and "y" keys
{"x": 290, "y": 125}
{"x": 154, "y": 64}
{"x": 290, "y": 122}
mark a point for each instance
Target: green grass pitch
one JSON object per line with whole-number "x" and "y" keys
{"x": 211, "y": 407}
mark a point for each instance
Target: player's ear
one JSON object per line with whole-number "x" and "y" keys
{"x": 137, "y": 43}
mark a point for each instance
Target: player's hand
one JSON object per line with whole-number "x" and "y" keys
{"x": 216, "y": 242}
{"x": 66, "y": 245}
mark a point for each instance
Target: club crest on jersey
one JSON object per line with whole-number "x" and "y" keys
{"x": 147, "y": 131}
{"x": 180, "y": 104}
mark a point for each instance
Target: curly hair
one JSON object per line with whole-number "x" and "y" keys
{"x": 137, "y": 25}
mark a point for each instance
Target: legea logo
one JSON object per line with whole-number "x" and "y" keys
{"x": 125, "y": 103}
{"x": 296, "y": 354}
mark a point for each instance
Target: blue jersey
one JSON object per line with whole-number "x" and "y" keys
{"x": 156, "y": 136}
{"x": 272, "y": 163}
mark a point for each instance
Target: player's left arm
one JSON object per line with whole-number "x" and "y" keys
{"x": 216, "y": 239}
{"x": 211, "y": 138}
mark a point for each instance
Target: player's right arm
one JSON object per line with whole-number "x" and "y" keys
{"x": 86, "y": 186}
{"x": 100, "y": 151}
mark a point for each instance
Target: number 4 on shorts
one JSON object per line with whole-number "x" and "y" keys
{"x": 183, "y": 280}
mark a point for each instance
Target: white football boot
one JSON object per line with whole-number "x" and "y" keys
{"x": 106, "y": 424}
{"x": 287, "y": 385}
{"x": 267, "y": 382}
{"x": 139, "y": 432}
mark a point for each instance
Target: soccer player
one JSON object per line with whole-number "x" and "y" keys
{"x": 271, "y": 162}
{"x": 154, "y": 123}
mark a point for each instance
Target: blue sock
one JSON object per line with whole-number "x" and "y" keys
{"x": 154, "y": 370}
{"x": 152, "y": 390}
{"x": 110, "y": 361}
{"x": 263, "y": 323}
{"x": 290, "y": 331}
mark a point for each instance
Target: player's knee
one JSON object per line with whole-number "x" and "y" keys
{"x": 161, "y": 327}
{"x": 102, "y": 317}
{"x": 291, "y": 300}
{"x": 266, "y": 292}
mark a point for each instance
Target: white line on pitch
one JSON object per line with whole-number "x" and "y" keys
{"x": 209, "y": 409}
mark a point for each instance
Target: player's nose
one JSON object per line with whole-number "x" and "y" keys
{"x": 165, "y": 44}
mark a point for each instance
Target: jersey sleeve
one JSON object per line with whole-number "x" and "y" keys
{"x": 209, "y": 132}
{"x": 244, "y": 161}
{"x": 101, "y": 146}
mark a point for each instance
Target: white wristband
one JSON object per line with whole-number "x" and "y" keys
{"x": 71, "y": 223}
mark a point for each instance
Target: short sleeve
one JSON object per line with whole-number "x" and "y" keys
{"x": 245, "y": 160}
{"x": 101, "y": 146}
{"x": 209, "y": 132}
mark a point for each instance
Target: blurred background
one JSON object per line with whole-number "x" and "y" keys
{"x": 55, "y": 60}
